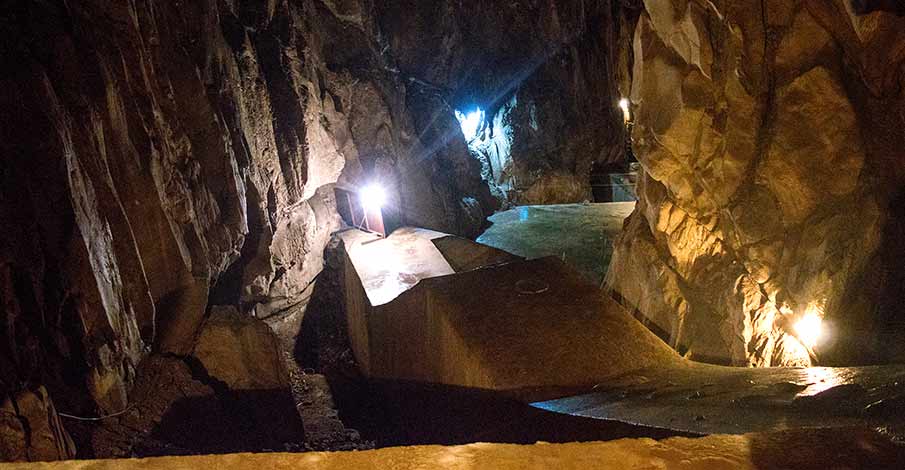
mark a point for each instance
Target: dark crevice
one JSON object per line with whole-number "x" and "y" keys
{"x": 228, "y": 288}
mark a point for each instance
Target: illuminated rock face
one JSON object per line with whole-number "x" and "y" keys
{"x": 161, "y": 157}
{"x": 544, "y": 71}
{"x": 772, "y": 168}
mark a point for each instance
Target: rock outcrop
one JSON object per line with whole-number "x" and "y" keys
{"x": 241, "y": 352}
{"x": 543, "y": 72}
{"x": 770, "y": 135}
{"x": 31, "y": 430}
{"x": 160, "y": 158}
{"x": 180, "y": 407}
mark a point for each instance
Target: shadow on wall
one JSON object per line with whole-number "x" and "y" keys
{"x": 891, "y": 315}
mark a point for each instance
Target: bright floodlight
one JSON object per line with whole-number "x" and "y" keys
{"x": 623, "y": 104}
{"x": 809, "y": 328}
{"x": 372, "y": 196}
{"x": 470, "y": 122}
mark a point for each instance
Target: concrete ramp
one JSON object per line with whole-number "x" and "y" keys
{"x": 540, "y": 332}
{"x": 529, "y": 327}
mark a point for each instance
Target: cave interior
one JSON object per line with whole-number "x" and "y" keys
{"x": 452, "y": 233}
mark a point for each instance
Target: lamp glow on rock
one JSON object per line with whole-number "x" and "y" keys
{"x": 809, "y": 328}
{"x": 626, "y": 113}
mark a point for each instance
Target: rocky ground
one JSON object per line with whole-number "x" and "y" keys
{"x": 238, "y": 390}
{"x": 315, "y": 348}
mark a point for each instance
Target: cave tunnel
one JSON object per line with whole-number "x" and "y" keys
{"x": 409, "y": 234}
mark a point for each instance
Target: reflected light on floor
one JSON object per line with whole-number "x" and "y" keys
{"x": 819, "y": 379}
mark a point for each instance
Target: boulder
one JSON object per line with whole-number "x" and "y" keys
{"x": 31, "y": 430}
{"x": 241, "y": 352}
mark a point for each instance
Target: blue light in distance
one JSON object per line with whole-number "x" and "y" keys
{"x": 471, "y": 123}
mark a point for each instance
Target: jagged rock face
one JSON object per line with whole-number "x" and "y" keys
{"x": 144, "y": 150}
{"x": 542, "y": 70}
{"x": 163, "y": 157}
{"x": 30, "y": 429}
{"x": 770, "y": 134}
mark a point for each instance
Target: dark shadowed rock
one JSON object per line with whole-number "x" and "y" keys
{"x": 31, "y": 430}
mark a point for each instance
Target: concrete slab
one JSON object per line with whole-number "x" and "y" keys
{"x": 525, "y": 327}
{"x": 836, "y": 448}
{"x": 538, "y": 331}
{"x": 581, "y": 235}
{"x": 390, "y": 266}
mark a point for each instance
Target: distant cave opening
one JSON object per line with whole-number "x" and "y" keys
{"x": 489, "y": 135}
{"x": 472, "y": 122}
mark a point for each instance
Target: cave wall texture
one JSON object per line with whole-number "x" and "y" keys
{"x": 545, "y": 72}
{"x": 161, "y": 157}
{"x": 771, "y": 137}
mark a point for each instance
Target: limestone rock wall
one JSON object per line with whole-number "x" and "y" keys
{"x": 240, "y": 352}
{"x": 543, "y": 71}
{"x": 30, "y": 429}
{"x": 161, "y": 157}
{"x": 771, "y": 137}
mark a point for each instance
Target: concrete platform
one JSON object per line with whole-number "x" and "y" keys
{"x": 536, "y": 328}
{"x": 581, "y": 235}
{"x": 538, "y": 331}
{"x": 849, "y": 448}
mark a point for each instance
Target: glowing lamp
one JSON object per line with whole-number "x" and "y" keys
{"x": 372, "y": 196}
{"x": 809, "y": 328}
{"x": 626, "y": 114}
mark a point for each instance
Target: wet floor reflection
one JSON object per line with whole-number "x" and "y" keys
{"x": 820, "y": 379}
{"x": 713, "y": 399}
